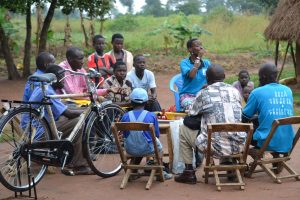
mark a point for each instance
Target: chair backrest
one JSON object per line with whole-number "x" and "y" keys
{"x": 279, "y": 122}
{"x": 119, "y": 127}
{"x": 229, "y": 127}
{"x": 178, "y": 82}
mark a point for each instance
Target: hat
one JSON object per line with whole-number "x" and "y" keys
{"x": 139, "y": 95}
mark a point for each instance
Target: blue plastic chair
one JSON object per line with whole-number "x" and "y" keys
{"x": 176, "y": 80}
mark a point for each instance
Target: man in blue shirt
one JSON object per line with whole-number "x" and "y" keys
{"x": 43, "y": 60}
{"x": 65, "y": 120}
{"x": 193, "y": 71}
{"x": 270, "y": 101}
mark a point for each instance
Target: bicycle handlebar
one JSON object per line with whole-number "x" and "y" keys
{"x": 91, "y": 74}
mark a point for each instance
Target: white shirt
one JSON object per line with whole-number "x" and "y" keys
{"x": 147, "y": 82}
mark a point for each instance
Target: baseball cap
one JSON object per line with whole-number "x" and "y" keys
{"x": 139, "y": 95}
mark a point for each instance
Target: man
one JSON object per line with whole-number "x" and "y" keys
{"x": 118, "y": 53}
{"x": 43, "y": 60}
{"x": 193, "y": 71}
{"x": 217, "y": 103}
{"x": 140, "y": 77}
{"x": 270, "y": 101}
{"x": 65, "y": 120}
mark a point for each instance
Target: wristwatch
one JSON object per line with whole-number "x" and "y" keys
{"x": 197, "y": 61}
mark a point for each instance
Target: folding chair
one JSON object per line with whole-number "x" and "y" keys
{"x": 176, "y": 80}
{"x": 240, "y": 158}
{"x": 127, "y": 160}
{"x": 260, "y": 155}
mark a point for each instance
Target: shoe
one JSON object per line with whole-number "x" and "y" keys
{"x": 277, "y": 167}
{"x": 187, "y": 176}
{"x": 166, "y": 175}
{"x": 78, "y": 171}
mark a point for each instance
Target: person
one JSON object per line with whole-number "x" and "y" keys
{"x": 140, "y": 77}
{"x": 270, "y": 101}
{"x": 119, "y": 81}
{"x": 74, "y": 84}
{"x": 217, "y": 103}
{"x": 118, "y": 53}
{"x": 193, "y": 71}
{"x": 141, "y": 146}
{"x": 246, "y": 93}
{"x": 243, "y": 82}
{"x": 43, "y": 60}
{"x": 100, "y": 61}
{"x": 65, "y": 120}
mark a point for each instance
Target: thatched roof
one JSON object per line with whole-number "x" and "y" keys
{"x": 285, "y": 23}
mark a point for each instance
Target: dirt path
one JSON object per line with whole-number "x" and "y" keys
{"x": 57, "y": 186}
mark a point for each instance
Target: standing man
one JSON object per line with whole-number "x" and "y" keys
{"x": 140, "y": 77}
{"x": 217, "y": 103}
{"x": 270, "y": 101}
{"x": 120, "y": 54}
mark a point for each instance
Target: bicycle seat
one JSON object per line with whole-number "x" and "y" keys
{"x": 48, "y": 78}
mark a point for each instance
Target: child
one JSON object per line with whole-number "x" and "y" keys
{"x": 243, "y": 82}
{"x": 98, "y": 60}
{"x": 43, "y": 60}
{"x": 246, "y": 92}
{"x": 118, "y": 80}
{"x": 144, "y": 146}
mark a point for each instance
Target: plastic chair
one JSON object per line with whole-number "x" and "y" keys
{"x": 176, "y": 80}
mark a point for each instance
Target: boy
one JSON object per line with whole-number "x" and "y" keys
{"x": 139, "y": 98}
{"x": 100, "y": 61}
{"x": 118, "y": 53}
{"x": 243, "y": 82}
{"x": 65, "y": 120}
{"x": 118, "y": 80}
{"x": 140, "y": 77}
{"x": 43, "y": 60}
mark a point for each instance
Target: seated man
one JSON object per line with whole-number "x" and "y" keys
{"x": 144, "y": 146}
{"x": 217, "y": 103}
{"x": 43, "y": 60}
{"x": 119, "y": 82}
{"x": 140, "y": 77}
{"x": 75, "y": 84}
{"x": 270, "y": 101}
{"x": 65, "y": 120}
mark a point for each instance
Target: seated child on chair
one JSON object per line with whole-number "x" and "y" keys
{"x": 135, "y": 145}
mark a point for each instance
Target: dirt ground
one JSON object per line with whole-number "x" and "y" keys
{"x": 58, "y": 186}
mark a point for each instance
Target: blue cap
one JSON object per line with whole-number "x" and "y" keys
{"x": 139, "y": 95}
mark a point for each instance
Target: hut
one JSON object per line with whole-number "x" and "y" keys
{"x": 285, "y": 26}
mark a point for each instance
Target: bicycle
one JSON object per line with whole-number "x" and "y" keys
{"x": 27, "y": 136}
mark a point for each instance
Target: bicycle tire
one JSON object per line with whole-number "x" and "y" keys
{"x": 99, "y": 145}
{"x": 14, "y": 129}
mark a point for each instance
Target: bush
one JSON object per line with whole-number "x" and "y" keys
{"x": 123, "y": 23}
{"x": 219, "y": 13}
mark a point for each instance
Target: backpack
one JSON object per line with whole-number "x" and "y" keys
{"x": 136, "y": 143}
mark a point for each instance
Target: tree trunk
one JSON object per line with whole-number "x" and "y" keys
{"x": 46, "y": 25}
{"x": 101, "y": 26}
{"x": 86, "y": 38}
{"x": 27, "y": 50}
{"x": 10, "y": 65}
{"x": 39, "y": 22}
{"x": 297, "y": 55}
{"x": 67, "y": 39}
{"x": 92, "y": 29}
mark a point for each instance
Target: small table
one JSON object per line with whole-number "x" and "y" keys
{"x": 164, "y": 128}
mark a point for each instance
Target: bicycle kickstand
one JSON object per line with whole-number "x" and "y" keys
{"x": 65, "y": 159}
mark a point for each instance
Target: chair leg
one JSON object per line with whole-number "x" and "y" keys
{"x": 240, "y": 180}
{"x": 150, "y": 180}
{"x": 217, "y": 180}
{"x": 291, "y": 171}
{"x": 252, "y": 167}
{"x": 125, "y": 179}
{"x": 206, "y": 175}
{"x": 270, "y": 173}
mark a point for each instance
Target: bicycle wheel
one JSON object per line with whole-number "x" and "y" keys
{"x": 15, "y": 127}
{"x": 99, "y": 145}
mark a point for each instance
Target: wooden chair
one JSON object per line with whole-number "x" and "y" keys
{"x": 260, "y": 154}
{"x": 127, "y": 160}
{"x": 240, "y": 158}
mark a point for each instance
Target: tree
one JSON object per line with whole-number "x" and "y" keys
{"x": 211, "y": 4}
{"x": 153, "y": 7}
{"x": 190, "y": 7}
{"x": 128, "y": 4}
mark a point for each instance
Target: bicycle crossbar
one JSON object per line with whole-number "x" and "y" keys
{"x": 25, "y": 102}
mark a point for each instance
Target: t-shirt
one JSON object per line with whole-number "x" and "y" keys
{"x": 271, "y": 101}
{"x": 127, "y": 58}
{"x": 192, "y": 85}
{"x": 238, "y": 86}
{"x": 150, "y": 118}
{"x": 124, "y": 90}
{"x": 103, "y": 61}
{"x": 57, "y": 107}
{"x": 147, "y": 82}
{"x": 30, "y": 86}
